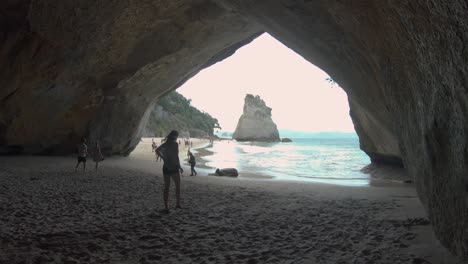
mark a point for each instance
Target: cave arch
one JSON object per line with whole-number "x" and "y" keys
{"x": 71, "y": 68}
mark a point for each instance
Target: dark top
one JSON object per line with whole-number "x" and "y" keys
{"x": 191, "y": 159}
{"x": 169, "y": 152}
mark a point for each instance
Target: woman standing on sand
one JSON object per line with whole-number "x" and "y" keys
{"x": 169, "y": 152}
{"x": 97, "y": 155}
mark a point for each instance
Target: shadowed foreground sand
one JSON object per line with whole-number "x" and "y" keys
{"x": 50, "y": 214}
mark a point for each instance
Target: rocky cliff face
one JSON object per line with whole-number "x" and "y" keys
{"x": 256, "y": 124}
{"x": 93, "y": 68}
{"x": 376, "y": 140}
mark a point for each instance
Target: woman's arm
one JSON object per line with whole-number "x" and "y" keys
{"x": 158, "y": 149}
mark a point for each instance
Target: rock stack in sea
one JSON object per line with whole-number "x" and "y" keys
{"x": 256, "y": 124}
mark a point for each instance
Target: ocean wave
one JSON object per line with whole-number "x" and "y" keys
{"x": 321, "y": 160}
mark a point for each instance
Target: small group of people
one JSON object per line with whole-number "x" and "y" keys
{"x": 168, "y": 152}
{"x": 188, "y": 143}
{"x": 96, "y": 154}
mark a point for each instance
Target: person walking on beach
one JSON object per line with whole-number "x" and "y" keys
{"x": 192, "y": 163}
{"x": 156, "y": 153}
{"x": 97, "y": 154}
{"x": 169, "y": 152}
{"x": 153, "y": 145}
{"x": 82, "y": 153}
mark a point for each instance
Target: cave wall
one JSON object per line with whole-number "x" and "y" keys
{"x": 404, "y": 64}
{"x": 93, "y": 68}
{"x": 73, "y": 68}
{"x": 376, "y": 140}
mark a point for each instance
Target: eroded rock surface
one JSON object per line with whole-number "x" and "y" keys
{"x": 255, "y": 123}
{"x": 86, "y": 68}
{"x": 375, "y": 138}
{"x": 94, "y": 68}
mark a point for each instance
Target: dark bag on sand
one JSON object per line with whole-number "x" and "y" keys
{"x": 230, "y": 172}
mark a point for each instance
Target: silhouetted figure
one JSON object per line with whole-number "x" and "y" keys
{"x": 97, "y": 155}
{"x": 169, "y": 152}
{"x": 82, "y": 153}
{"x": 153, "y": 145}
{"x": 192, "y": 163}
{"x": 156, "y": 153}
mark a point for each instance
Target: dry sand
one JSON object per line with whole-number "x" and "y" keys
{"x": 50, "y": 214}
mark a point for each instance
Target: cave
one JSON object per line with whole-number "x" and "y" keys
{"x": 75, "y": 68}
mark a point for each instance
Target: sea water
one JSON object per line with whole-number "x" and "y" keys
{"x": 324, "y": 160}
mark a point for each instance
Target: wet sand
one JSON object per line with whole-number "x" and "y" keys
{"x": 50, "y": 214}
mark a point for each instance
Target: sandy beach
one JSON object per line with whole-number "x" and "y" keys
{"x": 51, "y": 214}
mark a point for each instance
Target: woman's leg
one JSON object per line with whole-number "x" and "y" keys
{"x": 97, "y": 165}
{"x": 176, "y": 178}
{"x": 167, "y": 184}
{"x": 191, "y": 169}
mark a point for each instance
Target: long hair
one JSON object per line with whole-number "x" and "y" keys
{"x": 172, "y": 136}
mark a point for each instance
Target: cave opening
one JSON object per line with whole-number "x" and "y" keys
{"x": 74, "y": 68}
{"x": 313, "y": 112}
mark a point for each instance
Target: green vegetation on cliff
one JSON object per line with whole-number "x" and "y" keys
{"x": 174, "y": 111}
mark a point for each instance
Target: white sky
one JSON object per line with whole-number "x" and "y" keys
{"x": 296, "y": 90}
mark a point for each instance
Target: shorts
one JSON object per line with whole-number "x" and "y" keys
{"x": 169, "y": 176}
{"x": 168, "y": 171}
{"x": 81, "y": 159}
